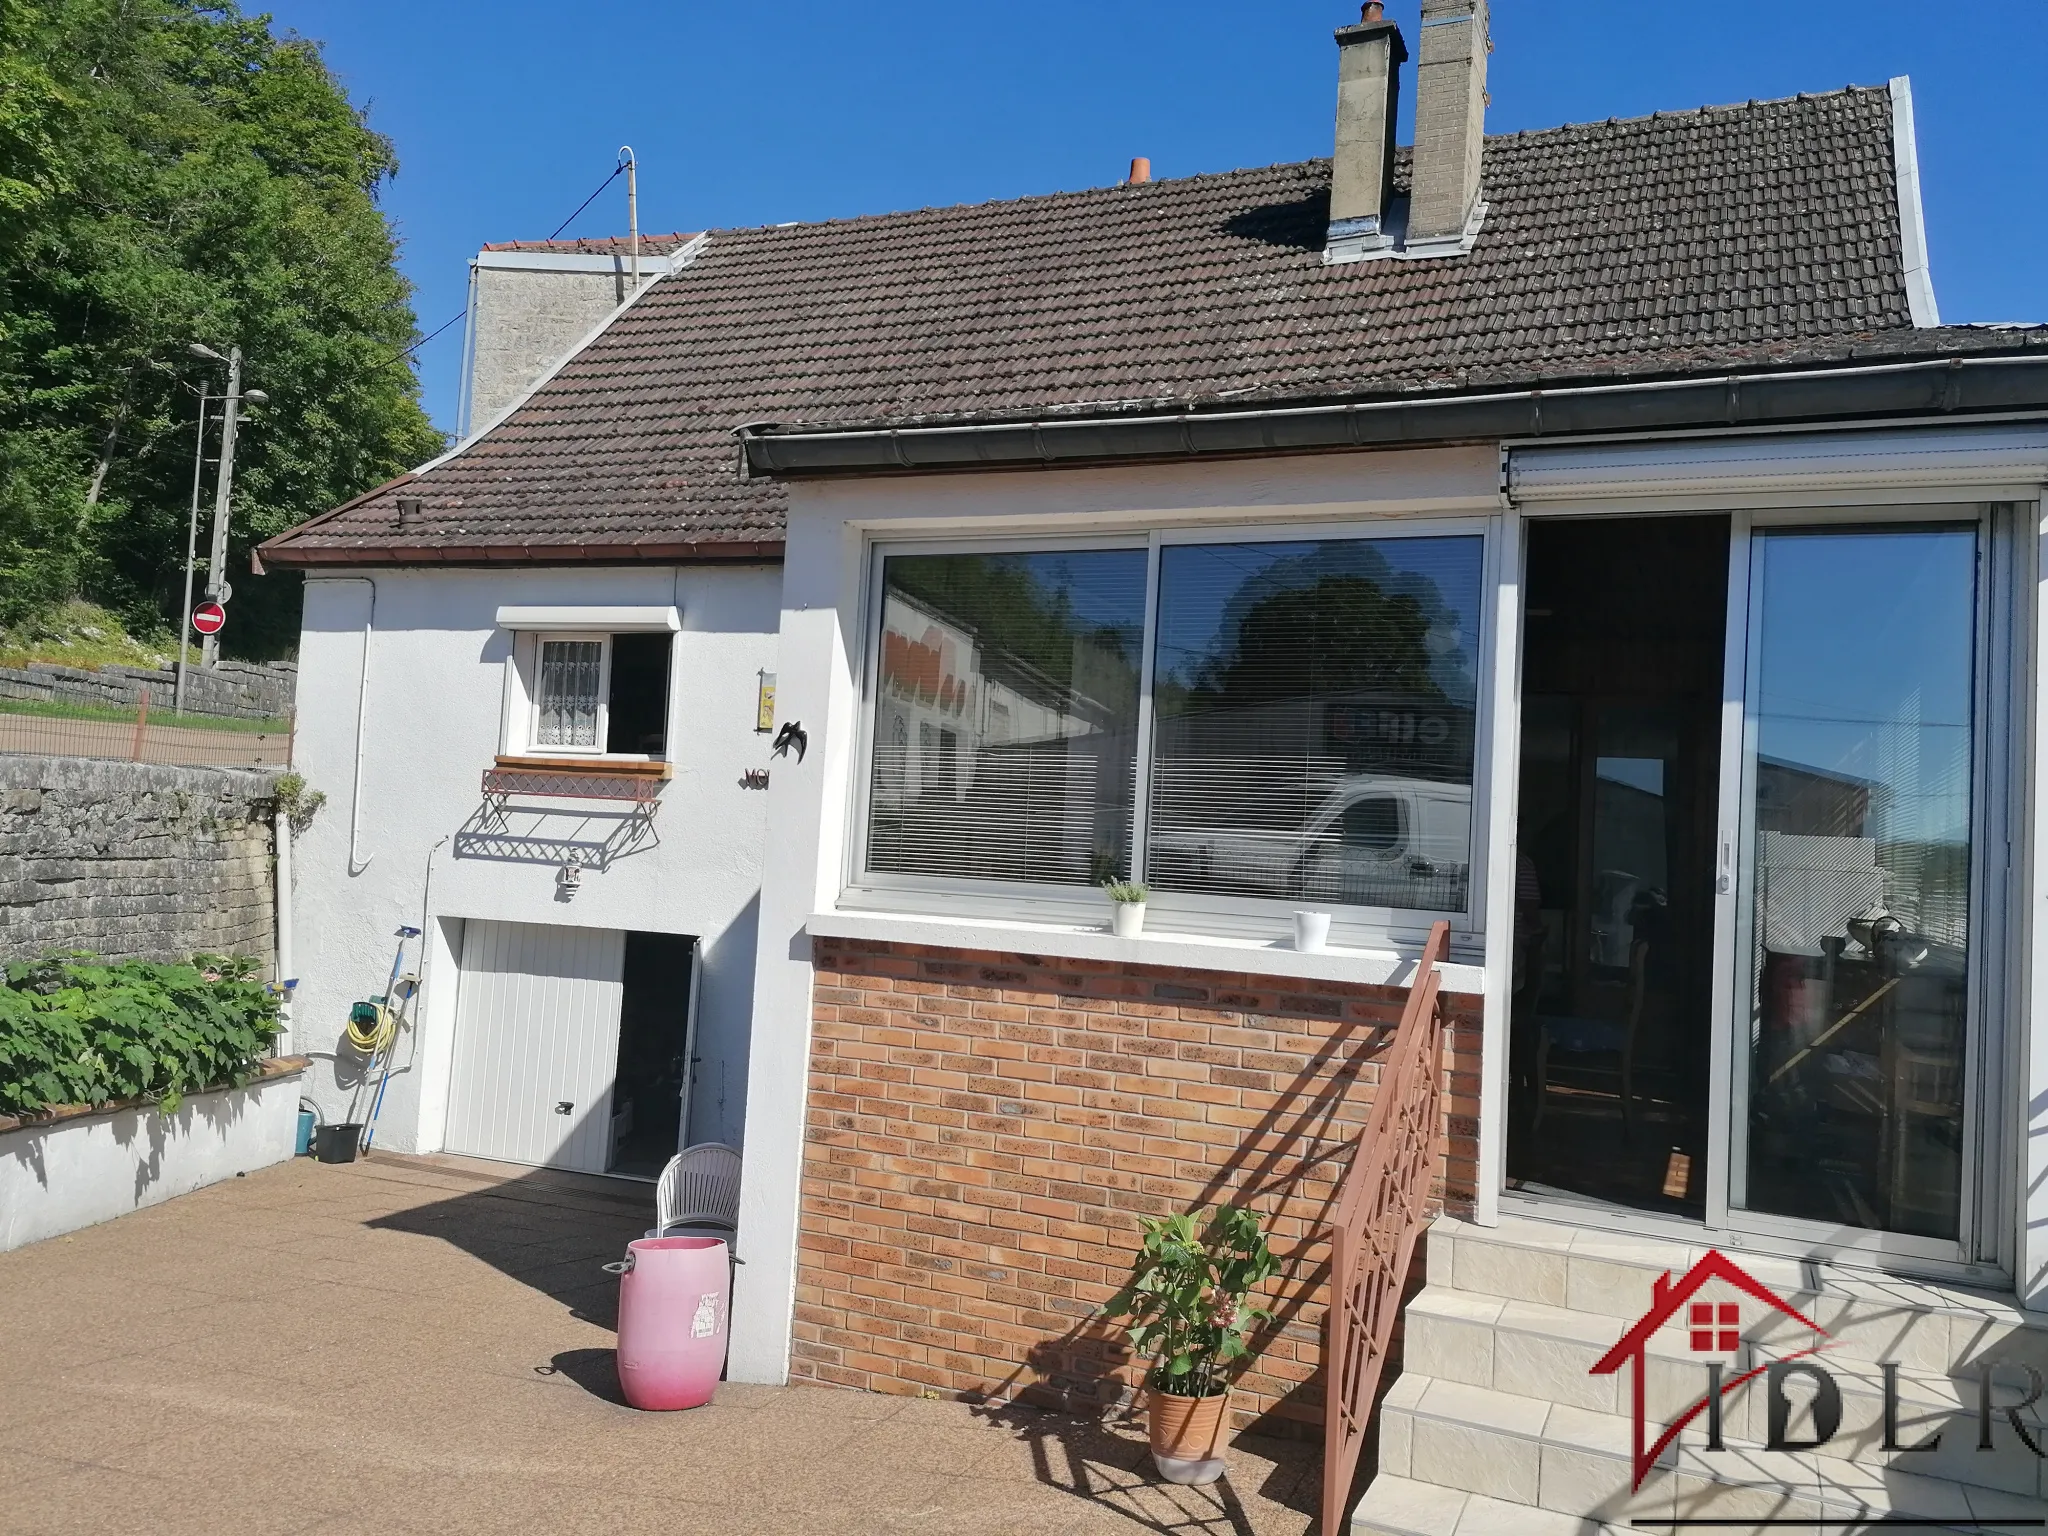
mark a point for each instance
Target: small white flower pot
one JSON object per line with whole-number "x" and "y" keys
{"x": 1311, "y": 932}
{"x": 1129, "y": 919}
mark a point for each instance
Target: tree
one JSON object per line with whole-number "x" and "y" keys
{"x": 173, "y": 171}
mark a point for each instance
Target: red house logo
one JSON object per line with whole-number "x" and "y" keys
{"x": 1712, "y": 1328}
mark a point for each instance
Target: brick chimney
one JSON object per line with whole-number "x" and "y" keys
{"x": 1450, "y": 127}
{"x": 1369, "y": 60}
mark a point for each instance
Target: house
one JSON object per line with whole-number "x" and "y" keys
{"x": 1587, "y": 540}
{"x": 552, "y": 759}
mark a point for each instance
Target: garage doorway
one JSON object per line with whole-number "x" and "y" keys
{"x": 650, "y": 1089}
{"x": 571, "y": 1047}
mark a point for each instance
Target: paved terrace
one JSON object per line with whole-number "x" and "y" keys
{"x": 411, "y": 1345}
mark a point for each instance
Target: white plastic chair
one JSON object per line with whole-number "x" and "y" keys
{"x": 700, "y": 1187}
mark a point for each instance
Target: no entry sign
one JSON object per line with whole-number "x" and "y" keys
{"x": 208, "y": 618}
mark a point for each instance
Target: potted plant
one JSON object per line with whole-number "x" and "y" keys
{"x": 1188, "y": 1309}
{"x": 1130, "y": 898}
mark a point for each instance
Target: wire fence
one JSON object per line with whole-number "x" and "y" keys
{"x": 150, "y": 734}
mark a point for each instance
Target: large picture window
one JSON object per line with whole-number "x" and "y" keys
{"x": 1006, "y": 715}
{"x": 1314, "y": 721}
{"x": 1309, "y": 710}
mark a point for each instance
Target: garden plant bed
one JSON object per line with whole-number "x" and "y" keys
{"x": 277, "y": 1066}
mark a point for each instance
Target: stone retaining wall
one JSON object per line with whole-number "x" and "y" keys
{"x": 133, "y": 860}
{"x": 243, "y": 690}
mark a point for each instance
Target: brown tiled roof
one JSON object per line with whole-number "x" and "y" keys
{"x": 1756, "y": 234}
{"x": 601, "y": 245}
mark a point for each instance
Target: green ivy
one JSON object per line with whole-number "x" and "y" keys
{"x": 75, "y": 1031}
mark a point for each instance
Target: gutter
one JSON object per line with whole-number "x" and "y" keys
{"x": 1937, "y": 387}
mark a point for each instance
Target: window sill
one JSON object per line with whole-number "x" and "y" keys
{"x": 624, "y": 767}
{"x": 1179, "y": 951}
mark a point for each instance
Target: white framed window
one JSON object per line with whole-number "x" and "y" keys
{"x": 1246, "y": 720}
{"x": 590, "y": 694}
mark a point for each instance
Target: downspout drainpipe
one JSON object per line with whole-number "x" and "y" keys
{"x": 282, "y": 823}
{"x": 356, "y": 863}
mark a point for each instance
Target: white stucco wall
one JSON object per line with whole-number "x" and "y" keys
{"x": 60, "y": 1177}
{"x": 822, "y": 606}
{"x": 431, "y": 727}
{"x": 2031, "y": 1056}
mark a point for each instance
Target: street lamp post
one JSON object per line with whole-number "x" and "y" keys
{"x": 217, "y": 588}
{"x": 191, "y": 548}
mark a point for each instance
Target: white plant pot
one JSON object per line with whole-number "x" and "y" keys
{"x": 1129, "y": 919}
{"x": 1311, "y": 932}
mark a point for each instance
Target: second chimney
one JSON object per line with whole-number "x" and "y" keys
{"x": 1450, "y": 125}
{"x": 1369, "y": 60}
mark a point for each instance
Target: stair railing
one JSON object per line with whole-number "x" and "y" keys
{"x": 1382, "y": 1206}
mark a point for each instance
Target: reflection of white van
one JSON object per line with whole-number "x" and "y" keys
{"x": 1373, "y": 842}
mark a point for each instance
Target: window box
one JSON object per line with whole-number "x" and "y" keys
{"x": 596, "y": 767}
{"x": 577, "y": 778}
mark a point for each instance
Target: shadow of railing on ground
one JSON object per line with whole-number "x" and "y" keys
{"x": 1091, "y": 1461}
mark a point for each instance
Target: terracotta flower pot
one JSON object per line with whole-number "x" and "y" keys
{"x": 1187, "y": 1435}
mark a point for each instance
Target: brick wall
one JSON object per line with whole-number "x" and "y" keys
{"x": 984, "y": 1132}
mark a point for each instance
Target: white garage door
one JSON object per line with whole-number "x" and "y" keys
{"x": 536, "y": 1044}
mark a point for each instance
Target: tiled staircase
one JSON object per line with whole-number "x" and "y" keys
{"x": 1498, "y": 1428}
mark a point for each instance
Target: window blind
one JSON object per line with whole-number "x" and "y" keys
{"x": 1006, "y": 716}
{"x": 1313, "y": 736}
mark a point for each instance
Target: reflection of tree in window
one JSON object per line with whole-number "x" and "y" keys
{"x": 1342, "y": 634}
{"x": 1315, "y": 720}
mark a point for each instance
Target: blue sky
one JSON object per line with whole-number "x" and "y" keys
{"x": 506, "y": 115}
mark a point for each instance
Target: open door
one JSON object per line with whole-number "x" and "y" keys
{"x": 1611, "y": 1017}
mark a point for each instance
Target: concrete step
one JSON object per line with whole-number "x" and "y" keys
{"x": 1576, "y": 1462}
{"x": 1936, "y": 1330}
{"x": 1546, "y": 1354}
{"x": 1401, "y": 1506}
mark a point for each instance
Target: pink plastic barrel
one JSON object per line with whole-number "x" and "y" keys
{"x": 672, "y": 1314}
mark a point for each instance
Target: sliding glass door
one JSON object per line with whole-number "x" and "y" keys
{"x": 1851, "y": 865}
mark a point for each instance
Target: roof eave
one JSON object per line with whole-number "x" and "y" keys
{"x": 671, "y": 552}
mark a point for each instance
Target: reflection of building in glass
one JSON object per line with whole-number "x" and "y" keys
{"x": 986, "y": 765}
{"x": 1924, "y": 882}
